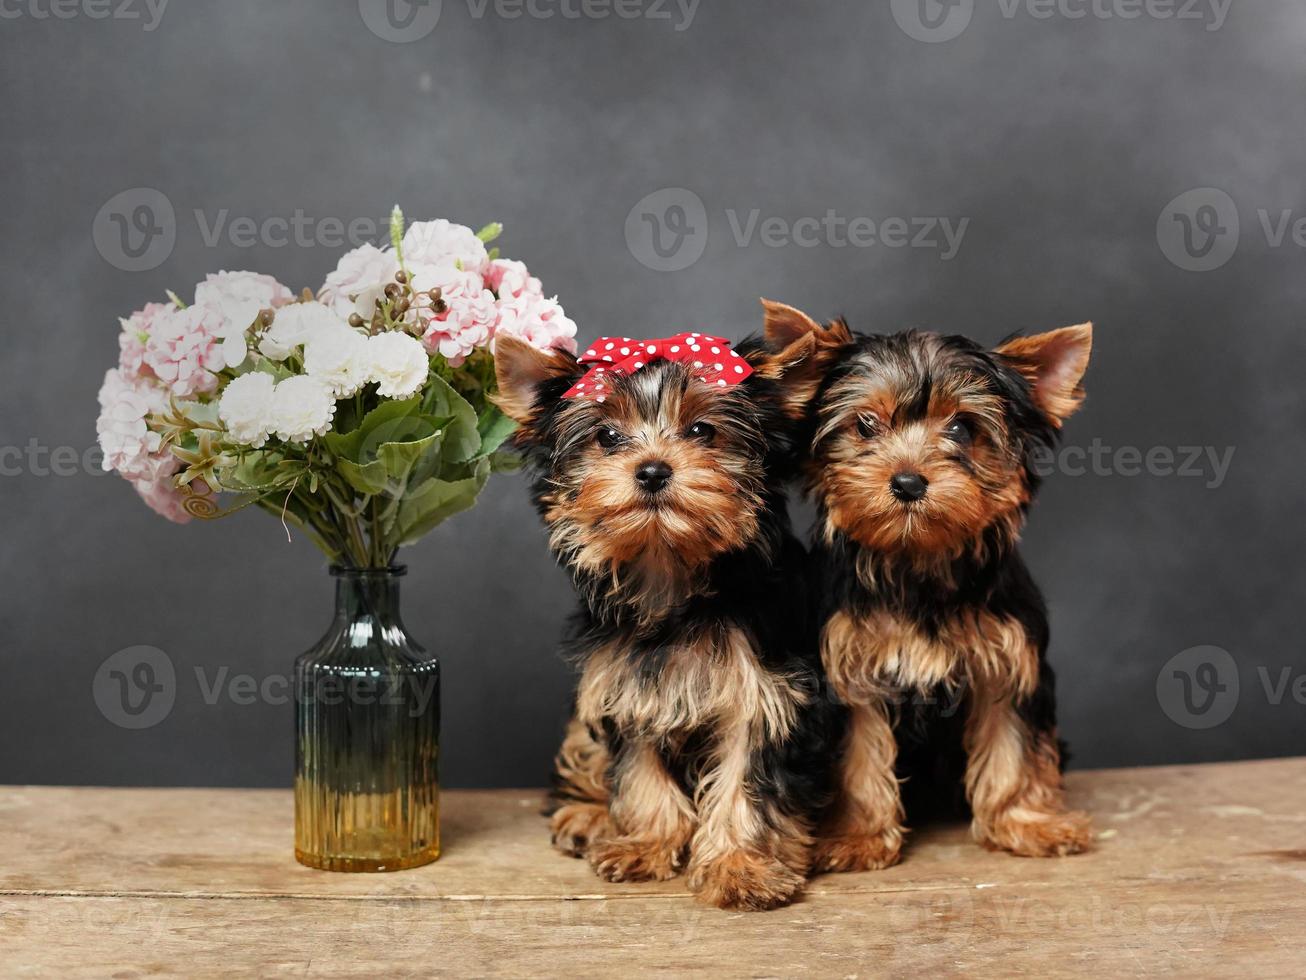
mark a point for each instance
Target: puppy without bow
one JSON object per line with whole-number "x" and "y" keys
{"x": 920, "y": 449}
{"x": 697, "y": 736}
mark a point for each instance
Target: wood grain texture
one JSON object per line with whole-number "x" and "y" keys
{"x": 1199, "y": 871}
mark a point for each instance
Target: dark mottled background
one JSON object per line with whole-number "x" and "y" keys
{"x": 1061, "y": 139}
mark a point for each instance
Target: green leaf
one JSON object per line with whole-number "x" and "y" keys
{"x": 349, "y": 445}
{"x": 200, "y": 413}
{"x": 258, "y": 471}
{"x": 505, "y": 461}
{"x": 435, "y": 501}
{"x": 490, "y": 232}
{"x": 418, "y": 458}
{"x": 495, "y": 428}
{"x": 368, "y": 479}
{"x": 277, "y": 371}
{"x": 462, "y": 440}
{"x": 393, "y": 445}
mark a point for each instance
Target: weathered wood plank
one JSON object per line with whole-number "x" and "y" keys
{"x": 1143, "y": 928}
{"x": 1201, "y": 871}
{"x": 1184, "y": 823}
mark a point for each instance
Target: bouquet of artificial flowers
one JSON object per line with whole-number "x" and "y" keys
{"x": 360, "y": 414}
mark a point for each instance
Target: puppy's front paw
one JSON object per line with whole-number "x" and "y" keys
{"x": 578, "y": 826}
{"x": 745, "y": 881}
{"x": 859, "y": 852}
{"x": 1030, "y": 834}
{"x": 636, "y": 859}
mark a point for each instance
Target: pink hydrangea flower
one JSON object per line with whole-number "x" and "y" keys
{"x": 524, "y": 310}
{"x": 443, "y": 243}
{"x": 238, "y": 297}
{"x": 510, "y": 279}
{"x": 470, "y": 314}
{"x": 228, "y": 290}
{"x": 538, "y": 320}
{"x": 131, "y": 354}
{"x": 128, "y": 445}
{"x": 358, "y": 280}
{"x": 163, "y": 497}
{"x": 185, "y": 348}
{"x": 131, "y": 342}
{"x": 455, "y": 334}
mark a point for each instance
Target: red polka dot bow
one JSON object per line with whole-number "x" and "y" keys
{"x": 710, "y": 358}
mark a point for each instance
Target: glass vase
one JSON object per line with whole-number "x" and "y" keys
{"x": 367, "y": 719}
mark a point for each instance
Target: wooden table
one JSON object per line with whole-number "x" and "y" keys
{"x": 1200, "y": 871}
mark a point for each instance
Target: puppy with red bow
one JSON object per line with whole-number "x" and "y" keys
{"x": 699, "y": 740}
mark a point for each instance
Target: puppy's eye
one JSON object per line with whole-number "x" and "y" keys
{"x": 867, "y": 426}
{"x": 701, "y": 431}
{"x": 608, "y": 437}
{"x": 961, "y": 431}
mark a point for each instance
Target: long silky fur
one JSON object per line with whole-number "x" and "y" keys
{"x": 755, "y": 589}
{"x": 983, "y": 574}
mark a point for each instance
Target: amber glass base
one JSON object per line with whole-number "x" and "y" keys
{"x": 365, "y": 865}
{"x": 366, "y": 832}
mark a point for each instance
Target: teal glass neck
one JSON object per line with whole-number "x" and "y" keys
{"x": 368, "y": 593}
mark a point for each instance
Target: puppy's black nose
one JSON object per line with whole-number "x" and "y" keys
{"x": 652, "y": 477}
{"x": 908, "y": 486}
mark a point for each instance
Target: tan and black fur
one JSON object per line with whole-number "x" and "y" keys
{"x": 919, "y": 449}
{"x": 698, "y": 742}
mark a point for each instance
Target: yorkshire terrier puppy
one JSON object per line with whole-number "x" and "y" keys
{"x": 698, "y": 736}
{"x": 920, "y": 450}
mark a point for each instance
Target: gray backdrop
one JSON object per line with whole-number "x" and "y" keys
{"x": 1063, "y": 142}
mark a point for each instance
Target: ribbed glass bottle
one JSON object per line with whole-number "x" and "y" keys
{"x": 367, "y": 717}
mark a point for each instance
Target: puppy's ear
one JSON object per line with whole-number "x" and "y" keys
{"x": 803, "y": 351}
{"x": 1054, "y": 364}
{"x": 521, "y": 369}
{"x": 784, "y": 325}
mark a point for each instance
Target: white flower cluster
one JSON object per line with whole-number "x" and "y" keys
{"x": 338, "y": 360}
{"x": 274, "y": 366}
